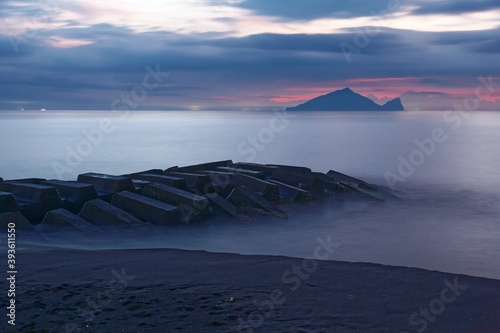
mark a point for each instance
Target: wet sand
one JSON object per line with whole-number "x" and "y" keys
{"x": 194, "y": 291}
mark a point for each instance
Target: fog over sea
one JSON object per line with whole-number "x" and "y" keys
{"x": 445, "y": 165}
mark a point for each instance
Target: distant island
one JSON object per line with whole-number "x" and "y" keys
{"x": 346, "y": 100}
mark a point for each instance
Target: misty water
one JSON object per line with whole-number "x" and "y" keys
{"x": 449, "y": 221}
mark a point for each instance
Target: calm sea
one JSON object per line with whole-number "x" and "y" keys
{"x": 446, "y": 166}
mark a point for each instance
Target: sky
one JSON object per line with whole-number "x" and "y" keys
{"x": 246, "y": 54}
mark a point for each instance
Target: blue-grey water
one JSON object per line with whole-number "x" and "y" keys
{"x": 450, "y": 220}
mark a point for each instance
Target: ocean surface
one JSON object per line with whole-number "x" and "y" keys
{"x": 445, "y": 165}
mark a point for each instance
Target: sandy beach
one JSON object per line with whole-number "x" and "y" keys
{"x": 59, "y": 290}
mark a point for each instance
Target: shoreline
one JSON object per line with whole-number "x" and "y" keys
{"x": 169, "y": 290}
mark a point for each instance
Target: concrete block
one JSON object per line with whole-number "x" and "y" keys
{"x": 24, "y": 230}
{"x": 292, "y": 168}
{"x": 194, "y": 180}
{"x": 74, "y": 194}
{"x": 204, "y": 166}
{"x": 106, "y": 216}
{"x": 305, "y": 181}
{"x": 248, "y": 200}
{"x": 28, "y": 180}
{"x": 340, "y": 177}
{"x": 7, "y": 203}
{"x": 192, "y": 207}
{"x": 266, "y": 169}
{"x": 251, "y": 173}
{"x": 63, "y": 221}
{"x": 107, "y": 185}
{"x": 147, "y": 209}
{"x": 33, "y": 200}
{"x": 223, "y": 206}
{"x": 290, "y": 193}
{"x": 173, "y": 181}
{"x": 267, "y": 190}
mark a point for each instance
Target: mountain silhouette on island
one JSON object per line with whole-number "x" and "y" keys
{"x": 346, "y": 100}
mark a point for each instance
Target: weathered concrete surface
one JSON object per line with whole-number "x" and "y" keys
{"x": 74, "y": 194}
{"x": 292, "y": 168}
{"x": 198, "y": 181}
{"x": 24, "y": 230}
{"x": 224, "y": 206}
{"x": 340, "y": 177}
{"x": 220, "y": 183}
{"x": 107, "y": 185}
{"x": 179, "y": 194}
{"x": 191, "y": 206}
{"x": 139, "y": 185}
{"x": 304, "y": 180}
{"x": 148, "y": 172}
{"x": 201, "y": 167}
{"x": 252, "y": 173}
{"x": 267, "y": 170}
{"x": 33, "y": 200}
{"x": 147, "y": 209}
{"x": 177, "y": 182}
{"x": 290, "y": 193}
{"x": 252, "y": 202}
{"x": 267, "y": 190}
{"x": 7, "y": 203}
{"x": 28, "y": 180}
{"x": 106, "y": 216}
{"x": 62, "y": 220}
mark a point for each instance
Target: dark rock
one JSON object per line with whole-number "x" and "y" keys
{"x": 147, "y": 209}
{"x": 346, "y": 100}
{"x": 248, "y": 200}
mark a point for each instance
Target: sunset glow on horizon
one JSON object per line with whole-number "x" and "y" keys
{"x": 253, "y": 53}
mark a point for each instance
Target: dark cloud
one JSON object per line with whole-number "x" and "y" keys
{"x": 205, "y": 68}
{"x": 315, "y": 9}
{"x": 456, "y": 7}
